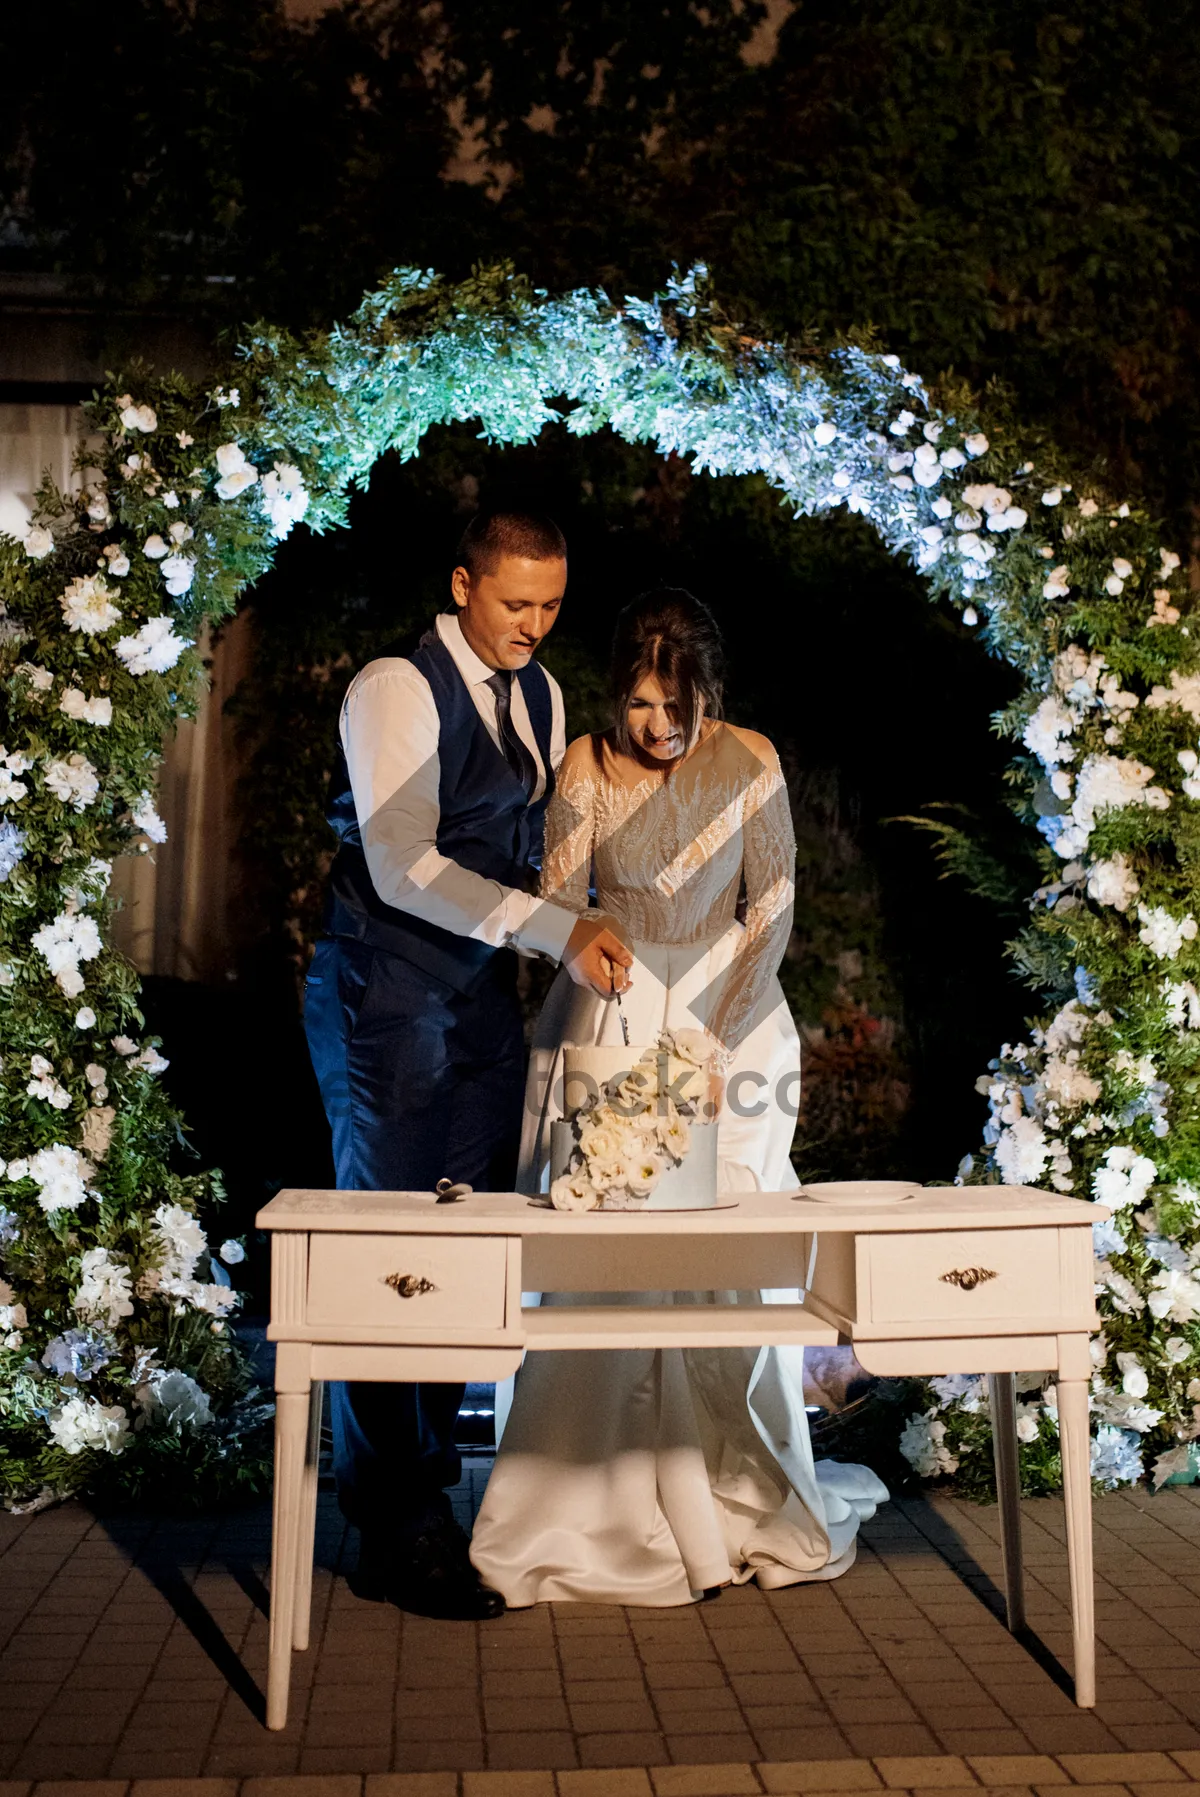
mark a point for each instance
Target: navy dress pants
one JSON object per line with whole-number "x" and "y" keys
{"x": 419, "y": 1082}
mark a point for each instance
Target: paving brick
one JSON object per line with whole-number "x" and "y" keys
{"x": 605, "y": 1781}
{"x": 721, "y": 1779}
{"x": 820, "y": 1775}
{"x": 623, "y": 1750}
{"x": 1121, "y": 1768}
{"x": 909, "y": 1771}
{"x": 508, "y": 1784}
{"x": 412, "y": 1784}
{"x": 184, "y": 1787}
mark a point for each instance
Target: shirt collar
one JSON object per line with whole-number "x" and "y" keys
{"x": 474, "y": 671}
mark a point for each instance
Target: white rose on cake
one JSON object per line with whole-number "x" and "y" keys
{"x": 574, "y": 1192}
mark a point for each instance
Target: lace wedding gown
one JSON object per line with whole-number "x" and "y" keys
{"x": 646, "y": 1476}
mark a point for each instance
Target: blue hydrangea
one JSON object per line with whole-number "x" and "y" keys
{"x": 12, "y": 846}
{"x": 9, "y": 1229}
{"x": 1116, "y": 1456}
{"x": 80, "y": 1351}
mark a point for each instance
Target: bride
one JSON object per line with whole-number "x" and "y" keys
{"x": 652, "y": 1476}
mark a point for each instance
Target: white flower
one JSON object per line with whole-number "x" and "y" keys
{"x": 154, "y": 548}
{"x": 1052, "y": 496}
{"x": 1114, "y": 585}
{"x": 85, "y": 1018}
{"x": 923, "y": 1444}
{"x": 236, "y": 472}
{"x": 178, "y": 571}
{"x": 952, "y": 458}
{"x": 1135, "y": 1381}
{"x": 1121, "y": 568}
{"x": 976, "y": 444}
{"x": 1021, "y": 1151}
{"x": 83, "y": 1423}
{"x": 147, "y": 819}
{"x": 151, "y": 1060}
{"x": 61, "y": 1173}
{"x": 38, "y": 543}
{"x": 139, "y": 418}
{"x": 177, "y": 1396}
{"x": 39, "y": 678}
{"x": 674, "y": 1133}
{"x": 124, "y": 1046}
{"x": 69, "y": 939}
{"x": 825, "y": 433}
{"x": 601, "y": 1139}
{"x": 1088, "y": 508}
{"x": 574, "y": 1192}
{"x": 941, "y": 507}
{"x": 86, "y": 711}
{"x": 43, "y": 1085}
{"x": 105, "y": 1291}
{"x": 1058, "y": 583}
{"x": 170, "y": 500}
{"x": 184, "y": 440}
{"x": 1068, "y": 1084}
{"x": 232, "y": 1253}
{"x": 1175, "y": 1294}
{"x": 74, "y": 780}
{"x": 153, "y": 649}
{"x": 118, "y": 561}
{"x": 1163, "y": 934}
{"x": 1113, "y": 882}
{"x": 1176, "y": 1350}
{"x": 1047, "y": 732}
{"x": 902, "y": 423}
{"x": 1124, "y": 1179}
{"x": 970, "y": 615}
{"x": 1183, "y": 1004}
{"x": 1183, "y": 692}
{"x": 12, "y": 790}
{"x": 1027, "y": 1423}
{"x": 87, "y": 606}
{"x": 1106, "y": 782}
{"x": 224, "y": 398}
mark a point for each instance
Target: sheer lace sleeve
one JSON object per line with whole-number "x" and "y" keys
{"x": 570, "y": 835}
{"x": 769, "y": 869}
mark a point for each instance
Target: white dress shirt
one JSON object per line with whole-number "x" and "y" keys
{"x": 390, "y": 729}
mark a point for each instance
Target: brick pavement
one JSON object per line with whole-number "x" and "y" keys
{"x": 134, "y": 1648}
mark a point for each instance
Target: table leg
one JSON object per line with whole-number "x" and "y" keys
{"x": 291, "y": 1430}
{"x": 1003, "y": 1390}
{"x": 306, "y": 1534}
{"x": 1075, "y": 1439}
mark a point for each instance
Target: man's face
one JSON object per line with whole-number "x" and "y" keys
{"x": 505, "y": 614}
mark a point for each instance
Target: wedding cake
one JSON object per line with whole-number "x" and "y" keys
{"x": 635, "y": 1133}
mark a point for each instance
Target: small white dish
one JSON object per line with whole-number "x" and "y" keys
{"x": 862, "y": 1194}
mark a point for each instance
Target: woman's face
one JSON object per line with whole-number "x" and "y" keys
{"x": 652, "y": 718}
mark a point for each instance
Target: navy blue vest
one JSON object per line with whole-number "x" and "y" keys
{"x": 486, "y": 824}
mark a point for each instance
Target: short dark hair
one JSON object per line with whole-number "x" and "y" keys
{"x": 491, "y": 535}
{"x": 671, "y": 634}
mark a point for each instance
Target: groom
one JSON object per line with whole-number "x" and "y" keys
{"x": 438, "y": 796}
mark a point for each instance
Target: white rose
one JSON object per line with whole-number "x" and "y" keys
{"x": 139, "y": 418}
{"x": 154, "y": 548}
{"x": 178, "y": 572}
{"x": 232, "y": 1253}
{"x": 976, "y": 444}
{"x": 85, "y": 1018}
{"x": 38, "y": 542}
{"x": 571, "y": 1192}
{"x": 825, "y": 433}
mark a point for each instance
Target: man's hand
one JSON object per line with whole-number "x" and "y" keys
{"x": 596, "y": 954}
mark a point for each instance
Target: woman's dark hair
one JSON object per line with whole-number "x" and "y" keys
{"x": 672, "y": 635}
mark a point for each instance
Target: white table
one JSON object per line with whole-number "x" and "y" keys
{"x": 394, "y": 1286}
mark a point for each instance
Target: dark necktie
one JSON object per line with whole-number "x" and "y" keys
{"x": 515, "y": 752}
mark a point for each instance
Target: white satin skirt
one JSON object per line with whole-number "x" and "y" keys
{"x": 646, "y": 1476}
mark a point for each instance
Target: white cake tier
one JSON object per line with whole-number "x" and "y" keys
{"x": 587, "y": 1070}
{"x": 692, "y": 1185}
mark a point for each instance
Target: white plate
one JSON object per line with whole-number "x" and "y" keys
{"x": 865, "y": 1194}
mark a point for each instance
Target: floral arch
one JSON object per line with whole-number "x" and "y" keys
{"x": 115, "y": 1360}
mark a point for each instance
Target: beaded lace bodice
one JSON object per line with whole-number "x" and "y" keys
{"x": 669, "y": 858}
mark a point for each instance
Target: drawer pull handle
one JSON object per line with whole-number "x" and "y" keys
{"x": 967, "y": 1278}
{"x": 409, "y": 1285}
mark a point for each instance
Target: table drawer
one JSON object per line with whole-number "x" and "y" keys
{"x": 416, "y": 1282}
{"x": 969, "y": 1276}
